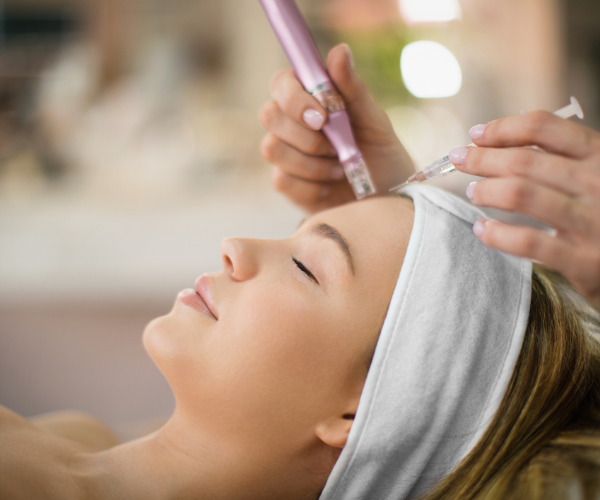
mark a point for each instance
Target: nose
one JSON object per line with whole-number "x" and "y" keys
{"x": 240, "y": 258}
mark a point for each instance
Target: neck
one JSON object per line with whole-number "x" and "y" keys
{"x": 173, "y": 463}
{"x": 159, "y": 466}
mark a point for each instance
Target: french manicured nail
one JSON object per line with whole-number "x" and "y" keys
{"x": 350, "y": 58}
{"x": 477, "y": 131}
{"x": 313, "y": 119}
{"x": 458, "y": 155}
{"x": 471, "y": 190}
{"x": 337, "y": 172}
{"x": 478, "y": 227}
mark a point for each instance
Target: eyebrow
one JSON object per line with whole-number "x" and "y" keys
{"x": 326, "y": 231}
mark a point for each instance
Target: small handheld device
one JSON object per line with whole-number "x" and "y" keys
{"x": 443, "y": 166}
{"x": 299, "y": 46}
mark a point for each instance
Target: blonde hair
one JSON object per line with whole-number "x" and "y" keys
{"x": 544, "y": 442}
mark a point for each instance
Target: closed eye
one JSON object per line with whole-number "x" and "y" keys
{"x": 305, "y": 270}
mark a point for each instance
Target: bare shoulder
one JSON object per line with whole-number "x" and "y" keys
{"x": 10, "y": 419}
{"x": 79, "y": 427}
{"x": 34, "y": 464}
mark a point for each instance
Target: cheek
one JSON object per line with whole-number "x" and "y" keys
{"x": 281, "y": 349}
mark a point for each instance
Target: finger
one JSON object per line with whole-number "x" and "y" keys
{"x": 558, "y": 172}
{"x": 539, "y": 128}
{"x": 521, "y": 195}
{"x": 362, "y": 108}
{"x": 312, "y": 196}
{"x": 298, "y": 190}
{"x": 580, "y": 266}
{"x": 298, "y": 164}
{"x": 295, "y": 102}
{"x": 525, "y": 242}
{"x": 288, "y": 130}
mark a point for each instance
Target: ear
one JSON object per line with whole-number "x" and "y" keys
{"x": 334, "y": 432}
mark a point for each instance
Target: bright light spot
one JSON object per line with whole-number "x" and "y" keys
{"x": 430, "y": 70}
{"x": 429, "y": 11}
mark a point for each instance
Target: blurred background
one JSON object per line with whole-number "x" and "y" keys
{"x": 129, "y": 139}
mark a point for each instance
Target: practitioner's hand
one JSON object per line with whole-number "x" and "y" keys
{"x": 306, "y": 166}
{"x": 560, "y": 187}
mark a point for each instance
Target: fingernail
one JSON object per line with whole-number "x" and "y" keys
{"x": 477, "y": 131}
{"x": 337, "y": 172}
{"x": 471, "y": 190}
{"x": 350, "y": 58}
{"x": 478, "y": 227}
{"x": 325, "y": 191}
{"x": 458, "y": 155}
{"x": 313, "y": 119}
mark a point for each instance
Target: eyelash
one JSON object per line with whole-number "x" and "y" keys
{"x": 305, "y": 270}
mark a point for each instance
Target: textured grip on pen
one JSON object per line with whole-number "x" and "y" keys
{"x": 331, "y": 100}
{"x": 358, "y": 176}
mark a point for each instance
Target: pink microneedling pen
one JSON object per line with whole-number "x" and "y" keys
{"x": 299, "y": 46}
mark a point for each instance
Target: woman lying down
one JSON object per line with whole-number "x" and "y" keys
{"x": 382, "y": 352}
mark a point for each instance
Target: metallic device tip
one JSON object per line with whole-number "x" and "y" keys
{"x": 400, "y": 186}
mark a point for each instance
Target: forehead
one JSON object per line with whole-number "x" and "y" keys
{"x": 376, "y": 229}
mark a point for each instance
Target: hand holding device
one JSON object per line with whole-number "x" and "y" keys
{"x": 559, "y": 186}
{"x": 295, "y": 39}
{"x": 305, "y": 161}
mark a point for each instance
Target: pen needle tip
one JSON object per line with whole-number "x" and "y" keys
{"x": 400, "y": 186}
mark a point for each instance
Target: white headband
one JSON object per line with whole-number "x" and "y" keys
{"x": 445, "y": 356}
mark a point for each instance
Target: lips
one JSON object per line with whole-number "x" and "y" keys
{"x": 203, "y": 291}
{"x": 200, "y": 298}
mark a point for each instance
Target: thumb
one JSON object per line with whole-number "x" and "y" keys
{"x": 360, "y": 104}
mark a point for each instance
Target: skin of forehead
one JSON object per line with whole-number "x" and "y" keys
{"x": 376, "y": 221}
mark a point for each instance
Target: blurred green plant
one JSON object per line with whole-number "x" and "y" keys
{"x": 377, "y": 61}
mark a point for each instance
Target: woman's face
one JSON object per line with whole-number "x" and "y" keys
{"x": 295, "y": 324}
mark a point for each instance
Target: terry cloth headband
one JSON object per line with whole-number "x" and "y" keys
{"x": 446, "y": 353}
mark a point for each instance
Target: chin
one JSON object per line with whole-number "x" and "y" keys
{"x": 169, "y": 341}
{"x": 156, "y": 340}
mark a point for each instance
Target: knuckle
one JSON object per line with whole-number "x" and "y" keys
{"x": 278, "y": 80}
{"x": 279, "y": 181}
{"x": 279, "y": 184}
{"x": 275, "y": 83}
{"x": 268, "y": 114}
{"x": 475, "y": 159}
{"x": 518, "y": 195}
{"x": 493, "y": 129}
{"x": 311, "y": 171}
{"x": 287, "y": 92}
{"x": 522, "y": 162}
{"x": 536, "y": 123}
{"x": 529, "y": 243}
{"x": 315, "y": 145}
{"x": 491, "y": 235}
{"x": 268, "y": 148}
{"x": 287, "y": 102}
